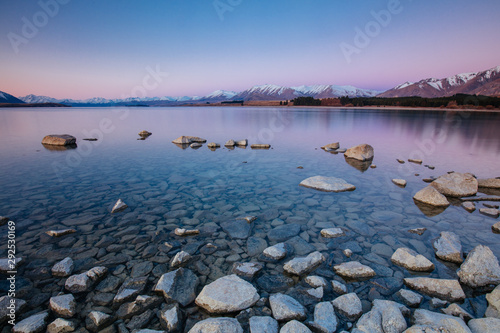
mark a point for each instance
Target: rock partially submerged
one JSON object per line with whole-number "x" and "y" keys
{"x": 491, "y": 212}
{"x": 59, "y": 140}
{"x": 331, "y": 146}
{"x": 448, "y": 247}
{"x": 119, "y": 206}
{"x": 332, "y": 232}
{"x": 260, "y": 146}
{"x": 63, "y": 268}
{"x": 327, "y": 184}
{"x": 144, "y": 134}
{"x": 349, "y": 305}
{"x": 363, "y": 152}
{"x": 430, "y": 196}
{"x": 354, "y": 270}
{"x": 33, "y": 324}
{"x": 411, "y": 260}
{"x": 302, "y": 265}
{"x": 449, "y": 290}
{"x": 399, "y": 182}
{"x": 188, "y": 140}
{"x": 456, "y": 184}
{"x": 439, "y": 322}
{"x": 286, "y": 308}
{"x": 186, "y": 232}
{"x": 489, "y": 183}
{"x": 469, "y": 206}
{"x": 178, "y": 286}
{"x": 480, "y": 268}
{"x": 59, "y": 233}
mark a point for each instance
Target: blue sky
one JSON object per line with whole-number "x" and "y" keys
{"x": 103, "y": 48}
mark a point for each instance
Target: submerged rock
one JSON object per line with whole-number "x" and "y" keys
{"x": 59, "y": 140}
{"x": 430, "y": 196}
{"x": 327, "y": 184}
{"x": 349, "y": 305}
{"x": 449, "y": 290}
{"x": 237, "y": 229}
{"x": 354, "y": 270}
{"x": 179, "y": 286}
{"x": 227, "y": 294}
{"x": 363, "y": 152}
{"x": 399, "y": 182}
{"x": 448, "y": 247}
{"x": 302, "y": 265}
{"x": 186, "y": 232}
{"x": 480, "y": 268}
{"x": 411, "y": 260}
{"x": 63, "y": 268}
{"x": 286, "y": 308}
{"x": 59, "y": 233}
{"x": 217, "y": 325}
{"x": 119, "y": 206}
{"x": 456, "y": 184}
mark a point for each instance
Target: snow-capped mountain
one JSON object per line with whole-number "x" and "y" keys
{"x": 480, "y": 83}
{"x": 8, "y": 98}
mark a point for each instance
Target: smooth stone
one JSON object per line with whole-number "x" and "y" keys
{"x": 300, "y": 246}
{"x": 489, "y": 183}
{"x": 97, "y": 320}
{"x": 295, "y": 326}
{"x": 59, "y": 140}
{"x": 227, "y": 294}
{"x": 469, "y": 206}
{"x": 241, "y": 143}
{"x": 354, "y": 270}
{"x": 332, "y": 232}
{"x": 63, "y": 305}
{"x": 449, "y": 290}
{"x": 399, "y": 182}
{"x": 493, "y": 299}
{"x": 263, "y": 324}
{"x": 448, "y": 247}
{"x": 430, "y": 196}
{"x": 63, "y": 268}
{"x": 331, "y": 146}
{"x": 217, "y": 325}
{"x": 179, "y": 286}
{"x": 414, "y": 160}
{"x": 119, "y": 206}
{"x": 171, "y": 318}
{"x": 286, "y": 308}
{"x": 315, "y": 281}
{"x": 496, "y": 228}
{"x": 59, "y": 233}
{"x": 33, "y": 324}
{"x": 180, "y": 259}
{"x": 186, "y": 232}
{"x": 276, "y": 252}
{"x": 327, "y": 184}
{"x": 456, "y": 184}
{"x": 457, "y": 311}
{"x": 237, "y": 229}
{"x": 411, "y": 260}
{"x": 349, "y": 305}
{"x": 491, "y": 212}
{"x": 302, "y": 265}
{"x": 325, "y": 320}
{"x": 339, "y": 287}
{"x": 410, "y": 298}
{"x": 480, "y": 268}
{"x": 441, "y": 321}
{"x": 61, "y": 326}
{"x": 363, "y": 152}
{"x": 484, "y": 325}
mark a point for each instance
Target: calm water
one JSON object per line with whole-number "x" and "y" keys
{"x": 167, "y": 187}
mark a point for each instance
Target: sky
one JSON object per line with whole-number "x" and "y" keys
{"x": 114, "y": 49}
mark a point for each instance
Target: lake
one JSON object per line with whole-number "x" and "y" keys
{"x": 167, "y": 187}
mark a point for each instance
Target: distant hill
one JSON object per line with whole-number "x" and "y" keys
{"x": 480, "y": 83}
{"x": 8, "y": 98}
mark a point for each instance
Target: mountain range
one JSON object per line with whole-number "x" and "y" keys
{"x": 480, "y": 83}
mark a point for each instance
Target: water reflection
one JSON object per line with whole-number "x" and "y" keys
{"x": 59, "y": 148}
{"x": 359, "y": 165}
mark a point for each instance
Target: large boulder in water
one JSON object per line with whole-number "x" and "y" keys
{"x": 363, "y": 152}
{"x": 456, "y": 184}
{"x": 430, "y": 196}
{"x": 480, "y": 268}
{"x": 59, "y": 140}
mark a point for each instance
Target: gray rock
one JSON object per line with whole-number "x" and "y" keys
{"x": 315, "y": 281}
{"x": 493, "y": 299}
{"x": 411, "y": 260}
{"x": 213, "y": 145}
{"x": 141, "y": 304}
{"x": 469, "y": 206}
{"x": 7, "y": 265}
{"x": 286, "y": 308}
{"x": 5, "y": 303}
{"x": 325, "y": 320}
{"x": 140, "y": 321}
{"x": 179, "y": 286}
{"x": 294, "y": 326}
{"x": 78, "y": 283}
{"x": 141, "y": 269}
{"x": 230, "y": 143}
{"x": 480, "y": 268}
{"x": 489, "y": 183}
{"x": 63, "y": 305}
{"x": 370, "y": 322}
{"x": 276, "y": 252}
{"x": 409, "y": 297}
{"x": 484, "y": 325}
{"x": 448, "y": 247}
{"x": 275, "y": 283}
{"x": 61, "y": 326}
{"x": 332, "y": 233}
{"x": 363, "y": 152}
{"x": 63, "y": 268}
{"x": 217, "y": 325}
{"x": 354, "y": 270}
{"x": 186, "y": 232}
{"x": 349, "y": 305}
{"x": 119, "y": 206}
{"x": 456, "y": 184}
{"x": 283, "y": 232}
{"x": 265, "y": 324}
{"x": 302, "y": 265}
{"x": 241, "y": 143}
{"x": 449, "y": 290}
{"x": 227, "y": 294}
{"x": 457, "y": 311}
{"x": 247, "y": 269}
{"x": 438, "y": 320}
{"x": 171, "y": 318}
{"x": 491, "y": 212}
{"x": 186, "y": 139}
{"x": 33, "y": 324}
{"x": 180, "y": 259}
{"x": 237, "y": 229}
{"x": 496, "y": 228}
{"x": 339, "y": 287}
{"x": 97, "y": 320}
{"x": 392, "y": 316}
{"x": 327, "y": 184}
{"x": 425, "y": 329}
{"x": 430, "y": 196}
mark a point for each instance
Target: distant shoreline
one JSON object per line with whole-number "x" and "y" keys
{"x": 33, "y": 105}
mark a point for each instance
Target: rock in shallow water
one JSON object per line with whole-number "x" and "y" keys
{"x": 448, "y": 247}
{"x": 411, "y": 260}
{"x": 33, "y": 324}
{"x": 302, "y": 265}
{"x": 410, "y": 298}
{"x": 285, "y": 308}
{"x": 332, "y": 232}
{"x": 276, "y": 252}
{"x": 363, "y": 152}
{"x": 354, "y": 270}
{"x": 449, "y": 290}
{"x": 119, "y": 206}
{"x": 491, "y": 212}
{"x": 63, "y": 305}
{"x": 480, "y": 268}
{"x": 63, "y": 268}
{"x": 349, "y": 305}
{"x": 217, "y": 325}
{"x": 327, "y": 184}
{"x": 227, "y": 294}
{"x": 489, "y": 183}
{"x": 493, "y": 299}
{"x": 179, "y": 285}
{"x": 430, "y": 196}
{"x": 61, "y": 326}
{"x": 59, "y": 140}
{"x": 484, "y": 325}
{"x": 325, "y": 319}
{"x": 456, "y": 184}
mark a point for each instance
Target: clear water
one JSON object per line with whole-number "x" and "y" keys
{"x": 167, "y": 187}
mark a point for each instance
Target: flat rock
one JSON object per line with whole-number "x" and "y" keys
{"x": 263, "y": 324}
{"x": 440, "y": 321}
{"x": 247, "y": 269}
{"x": 448, "y": 247}
{"x": 315, "y": 281}
{"x": 302, "y": 265}
{"x": 260, "y": 146}
{"x": 276, "y": 252}
{"x": 283, "y": 232}
{"x": 399, "y": 182}
{"x": 417, "y": 231}
{"x": 469, "y": 206}
{"x": 217, "y": 325}
{"x": 33, "y": 324}
{"x": 331, "y": 146}
{"x": 484, "y": 325}
{"x": 493, "y": 299}
{"x": 332, "y": 232}
{"x": 255, "y": 245}
{"x": 456, "y": 184}
{"x": 410, "y": 298}
{"x": 179, "y": 286}
{"x": 325, "y": 320}
{"x": 140, "y": 305}
{"x": 349, "y": 305}
{"x": 185, "y": 139}
{"x": 78, "y": 283}
{"x": 411, "y": 260}
{"x": 496, "y": 228}
{"x": 327, "y": 184}
{"x": 59, "y": 233}
{"x": 63, "y": 268}
{"x": 354, "y": 270}
{"x": 275, "y": 283}
{"x": 213, "y": 145}
{"x": 227, "y": 294}
{"x": 491, "y": 212}
{"x": 430, "y": 196}
{"x": 286, "y": 308}
{"x": 489, "y": 183}
{"x": 363, "y": 152}
{"x": 119, "y": 206}
{"x": 237, "y": 229}
{"x": 186, "y": 232}
{"x": 480, "y": 268}
{"x": 61, "y": 326}
{"x": 457, "y": 311}
{"x": 63, "y": 305}
{"x": 243, "y": 143}
{"x": 449, "y": 290}
{"x": 295, "y": 326}
{"x": 59, "y": 140}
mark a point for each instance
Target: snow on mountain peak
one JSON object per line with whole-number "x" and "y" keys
{"x": 221, "y": 94}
